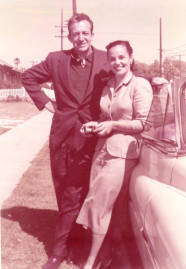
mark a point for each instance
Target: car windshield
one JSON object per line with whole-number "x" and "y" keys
{"x": 160, "y": 123}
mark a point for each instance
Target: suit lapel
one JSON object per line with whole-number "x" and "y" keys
{"x": 95, "y": 65}
{"x": 64, "y": 74}
{"x": 98, "y": 62}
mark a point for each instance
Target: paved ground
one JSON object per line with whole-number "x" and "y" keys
{"x": 18, "y": 147}
{"x": 9, "y": 123}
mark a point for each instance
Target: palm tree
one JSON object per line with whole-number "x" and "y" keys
{"x": 17, "y": 62}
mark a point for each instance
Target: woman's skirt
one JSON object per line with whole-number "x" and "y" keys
{"x": 106, "y": 179}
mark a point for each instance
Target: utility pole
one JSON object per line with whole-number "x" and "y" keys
{"x": 180, "y": 65}
{"x": 74, "y": 7}
{"x": 161, "y": 67}
{"x": 61, "y": 29}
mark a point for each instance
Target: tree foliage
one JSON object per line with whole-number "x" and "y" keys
{"x": 172, "y": 69}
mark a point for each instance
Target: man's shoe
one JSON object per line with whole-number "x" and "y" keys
{"x": 53, "y": 262}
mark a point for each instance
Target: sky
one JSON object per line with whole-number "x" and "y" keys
{"x": 28, "y": 27}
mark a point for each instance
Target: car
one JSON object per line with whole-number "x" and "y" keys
{"x": 157, "y": 188}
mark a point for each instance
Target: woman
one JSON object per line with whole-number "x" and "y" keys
{"x": 124, "y": 103}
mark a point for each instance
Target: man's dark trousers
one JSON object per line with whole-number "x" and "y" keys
{"x": 70, "y": 171}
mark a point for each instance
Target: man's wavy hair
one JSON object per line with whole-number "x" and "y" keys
{"x": 80, "y": 17}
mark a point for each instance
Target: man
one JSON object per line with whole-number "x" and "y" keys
{"x": 76, "y": 75}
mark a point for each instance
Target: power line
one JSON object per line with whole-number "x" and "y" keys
{"x": 176, "y": 47}
{"x": 123, "y": 33}
{"x": 176, "y": 53}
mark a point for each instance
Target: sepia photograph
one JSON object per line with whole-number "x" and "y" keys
{"x": 92, "y": 134}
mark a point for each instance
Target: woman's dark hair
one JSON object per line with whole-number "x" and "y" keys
{"x": 80, "y": 17}
{"x": 122, "y": 43}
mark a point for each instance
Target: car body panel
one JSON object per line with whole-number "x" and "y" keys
{"x": 158, "y": 183}
{"x": 156, "y": 159}
{"x": 179, "y": 174}
{"x": 161, "y": 210}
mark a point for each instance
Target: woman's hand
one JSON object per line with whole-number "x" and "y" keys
{"x": 104, "y": 128}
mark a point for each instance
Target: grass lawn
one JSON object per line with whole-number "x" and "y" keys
{"x": 28, "y": 218}
{"x": 17, "y": 111}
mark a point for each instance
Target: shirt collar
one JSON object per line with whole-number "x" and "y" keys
{"x": 88, "y": 58}
{"x": 124, "y": 82}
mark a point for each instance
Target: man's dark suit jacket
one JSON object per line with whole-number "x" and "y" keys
{"x": 71, "y": 112}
